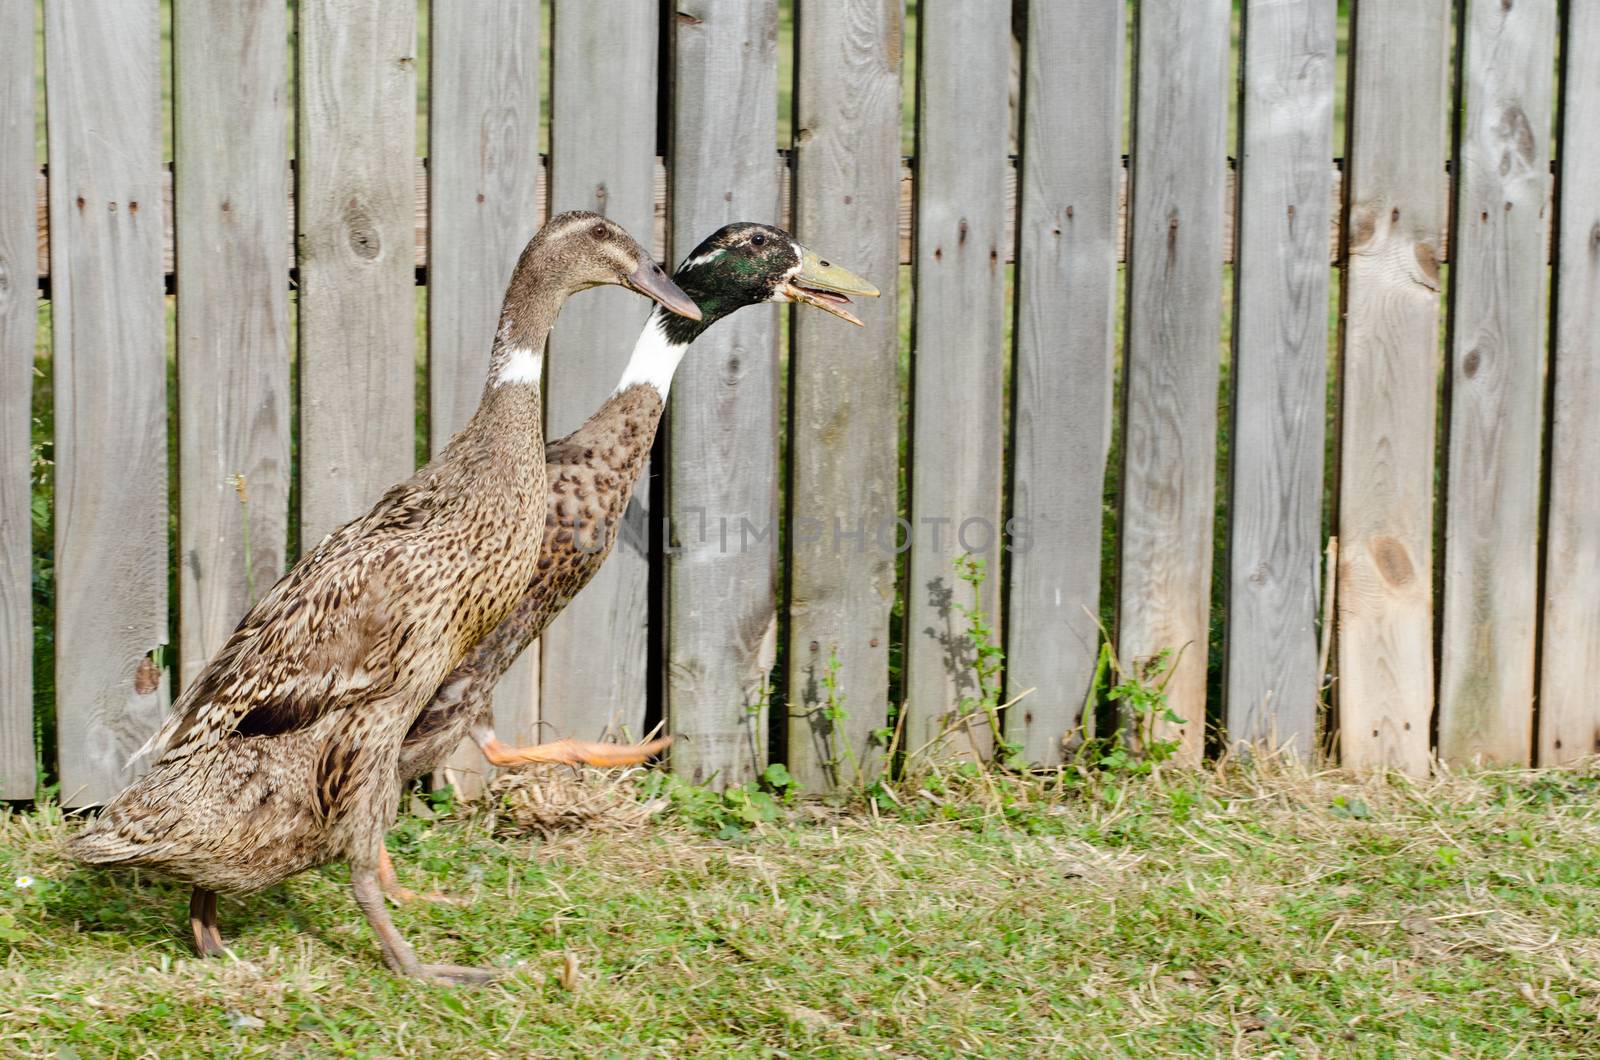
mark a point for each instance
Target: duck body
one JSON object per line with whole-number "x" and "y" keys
{"x": 326, "y": 673}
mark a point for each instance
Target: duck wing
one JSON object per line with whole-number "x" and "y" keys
{"x": 324, "y": 638}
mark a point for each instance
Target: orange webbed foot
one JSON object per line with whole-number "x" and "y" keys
{"x": 575, "y": 753}
{"x": 389, "y": 880}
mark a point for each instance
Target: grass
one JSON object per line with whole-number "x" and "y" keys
{"x": 1259, "y": 911}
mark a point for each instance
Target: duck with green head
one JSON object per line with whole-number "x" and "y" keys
{"x": 592, "y": 474}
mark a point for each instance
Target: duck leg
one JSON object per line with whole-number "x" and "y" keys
{"x": 203, "y": 930}
{"x": 569, "y": 752}
{"x": 397, "y": 952}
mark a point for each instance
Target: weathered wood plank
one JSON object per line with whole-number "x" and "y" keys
{"x": 722, "y": 619}
{"x": 1496, "y": 382}
{"x": 1173, "y": 332}
{"x": 1569, "y": 710}
{"x": 18, "y": 305}
{"x": 1280, "y": 357}
{"x": 357, "y": 137}
{"x": 1065, "y": 335}
{"x": 845, "y": 386}
{"x": 103, "y": 79}
{"x": 484, "y": 174}
{"x": 958, "y": 356}
{"x": 231, "y": 67}
{"x": 1395, "y": 214}
{"x": 602, "y": 154}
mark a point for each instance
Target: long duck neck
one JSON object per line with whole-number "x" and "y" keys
{"x": 666, "y": 338}
{"x": 509, "y": 408}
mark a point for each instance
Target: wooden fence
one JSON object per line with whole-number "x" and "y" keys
{"x": 1463, "y": 488}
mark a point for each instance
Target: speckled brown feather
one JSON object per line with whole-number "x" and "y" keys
{"x": 592, "y": 474}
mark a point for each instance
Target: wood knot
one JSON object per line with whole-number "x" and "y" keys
{"x": 1392, "y": 560}
{"x": 961, "y": 232}
{"x": 1363, "y": 224}
{"x": 147, "y": 677}
{"x": 1428, "y": 262}
{"x": 360, "y": 232}
{"x": 1516, "y": 132}
{"x": 1469, "y": 363}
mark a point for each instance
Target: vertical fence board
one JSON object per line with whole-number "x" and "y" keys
{"x": 958, "y": 353}
{"x": 230, "y": 69}
{"x": 18, "y": 299}
{"x": 1066, "y": 303}
{"x": 1497, "y": 380}
{"x": 845, "y": 384}
{"x": 1569, "y": 710}
{"x": 602, "y": 154}
{"x": 1173, "y": 332}
{"x": 354, "y": 225}
{"x": 103, "y": 69}
{"x": 1280, "y": 346}
{"x": 722, "y": 621}
{"x": 1395, "y": 207}
{"x": 483, "y": 174}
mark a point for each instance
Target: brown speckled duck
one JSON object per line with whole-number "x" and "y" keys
{"x": 592, "y": 473}
{"x": 282, "y": 754}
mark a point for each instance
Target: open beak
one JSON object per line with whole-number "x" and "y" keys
{"x": 826, "y": 286}
{"x": 650, "y": 280}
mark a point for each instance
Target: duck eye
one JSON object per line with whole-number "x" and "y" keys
{"x": 758, "y": 240}
{"x": 599, "y": 232}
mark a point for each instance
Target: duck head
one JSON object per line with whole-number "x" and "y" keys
{"x": 745, "y": 263}
{"x": 578, "y": 250}
{"x": 739, "y": 265}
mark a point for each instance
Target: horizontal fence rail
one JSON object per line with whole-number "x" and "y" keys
{"x": 1274, "y": 404}
{"x": 783, "y": 217}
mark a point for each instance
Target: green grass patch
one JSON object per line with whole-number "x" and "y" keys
{"x": 1263, "y": 911}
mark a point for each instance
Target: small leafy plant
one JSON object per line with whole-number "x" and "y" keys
{"x": 731, "y": 813}
{"x": 833, "y": 710}
{"x": 987, "y": 661}
{"x": 1135, "y": 746}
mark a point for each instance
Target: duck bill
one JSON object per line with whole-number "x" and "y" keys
{"x": 650, "y": 280}
{"x": 827, "y": 286}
